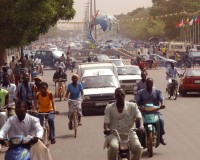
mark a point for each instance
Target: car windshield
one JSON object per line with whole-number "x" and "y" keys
{"x": 128, "y": 71}
{"x": 102, "y": 57}
{"x": 194, "y": 54}
{"x": 57, "y": 54}
{"x": 117, "y": 62}
{"x": 99, "y": 81}
{"x": 193, "y": 72}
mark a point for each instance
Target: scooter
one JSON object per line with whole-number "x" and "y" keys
{"x": 61, "y": 88}
{"x": 151, "y": 137}
{"x": 124, "y": 149}
{"x": 18, "y": 148}
{"x": 172, "y": 89}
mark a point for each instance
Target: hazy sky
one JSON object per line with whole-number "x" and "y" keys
{"x": 110, "y": 6}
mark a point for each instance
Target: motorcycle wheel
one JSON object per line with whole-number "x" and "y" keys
{"x": 150, "y": 143}
{"x": 175, "y": 94}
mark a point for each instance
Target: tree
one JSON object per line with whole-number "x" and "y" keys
{"x": 22, "y": 21}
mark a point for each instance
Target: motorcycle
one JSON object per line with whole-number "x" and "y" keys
{"x": 172, "y": 89}
{"x": 151, "y": 136}
{"x": 124, "y": 149}
{"x": 18, "y": 147}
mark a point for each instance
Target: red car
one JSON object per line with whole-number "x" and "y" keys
{"x": 190, "y": 81}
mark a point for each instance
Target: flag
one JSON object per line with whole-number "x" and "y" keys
{"x": 182, "y": 24}
{"x": 198, "y": 19}
{"x": 186, "y": 21}
{"x": 178, "y": 24}
{"x": 191, "y": 22}
{"x": 195, "y": 19}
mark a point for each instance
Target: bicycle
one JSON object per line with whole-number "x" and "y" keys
{"x": 61, "y": 90}
{"x": 45, "y": 125}
{"x": 74, "y": 116}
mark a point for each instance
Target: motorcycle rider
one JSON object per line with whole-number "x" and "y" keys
{"x": 30, "y": 126}
{"x": 60, "y": 74}
{"x": 142, "y": 83}
{"x": 154, "y": 96}
{"x": 59, "y": 63}
{"x": 172, "y": 72}
{"x": 121, "y": 115}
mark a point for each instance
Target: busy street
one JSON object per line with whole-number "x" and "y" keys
{"x": 181, "y": 116}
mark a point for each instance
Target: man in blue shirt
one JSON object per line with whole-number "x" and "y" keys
{"x": 154, "y": 96}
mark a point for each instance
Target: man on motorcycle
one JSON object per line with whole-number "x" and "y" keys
{"x": 59, "y": 63}
{"x": 172, "y": 72}
{"x": 154, "y": 96}
{"x": 121, "y": 115}
{"x": 60, "y": 74}
{"x": 14, "y": 126}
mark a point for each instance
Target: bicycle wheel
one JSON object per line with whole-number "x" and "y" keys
{"x": 60, "y": 93}
{"x": 46, "y": 135}
{"x": 75, "y": 123}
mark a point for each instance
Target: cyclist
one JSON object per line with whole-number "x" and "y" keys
{"x": 121, "y": 115}
{"x": 38, "y": 81}
{"x": 154, "y": 96}
{"x": 4, "y": 99}
{"x": 60, "y": 74}
{"x": 26, "y": 91}
{"x": 45, "y": 103}
{"x": 74, "y": 92}
{"x": 59, "y": 63}
{"x": 11, "y": 88}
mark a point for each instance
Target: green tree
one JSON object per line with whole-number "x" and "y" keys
{"x": 22, "y": 21}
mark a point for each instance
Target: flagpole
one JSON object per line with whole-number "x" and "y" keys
{"x": 198, "y": 42}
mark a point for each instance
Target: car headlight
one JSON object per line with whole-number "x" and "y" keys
{"x": 86, "y": 97}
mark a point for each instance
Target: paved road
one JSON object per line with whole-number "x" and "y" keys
{"x": 181, "y": 123}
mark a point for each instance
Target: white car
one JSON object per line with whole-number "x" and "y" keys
{"x": 128, "y": 75}
{"x": 98, "y": 88}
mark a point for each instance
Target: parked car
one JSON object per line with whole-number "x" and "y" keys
{"x": 189, "y": 81}
{"x": 117, "y": 62}
{"x": 163, "y": 62}
{"x": 195, "y": 57}
{"x": 96, "y": 58}
{"x": 48, "y": 57}
{"x": 128, "y": 75}
{"x": 98, "y": 88}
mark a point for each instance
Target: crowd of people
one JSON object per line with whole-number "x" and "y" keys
{"x": 26, "y": 95}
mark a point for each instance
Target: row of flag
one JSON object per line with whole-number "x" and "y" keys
{"x": 188, "y": 22}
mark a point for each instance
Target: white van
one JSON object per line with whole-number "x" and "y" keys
{"x": 96, "y": 65}
{"x": 182, "y": 47}
{"x": 98, "y": 88}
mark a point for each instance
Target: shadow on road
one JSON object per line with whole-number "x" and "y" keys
{"x": 65, "y": 136}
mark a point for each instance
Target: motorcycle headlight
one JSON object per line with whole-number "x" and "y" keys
{"x": 86, "y": 97}
{"x": 16, "y": 141}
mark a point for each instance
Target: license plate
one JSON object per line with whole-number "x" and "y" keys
{"x": 197, "y": 81}
{"x": 101, "y": 103}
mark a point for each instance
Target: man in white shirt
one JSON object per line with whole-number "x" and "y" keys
{"x": 22, "y": 124}
{"x": 121, "y": 115}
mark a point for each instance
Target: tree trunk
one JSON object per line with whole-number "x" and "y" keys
{"x": 3, "y": 56}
